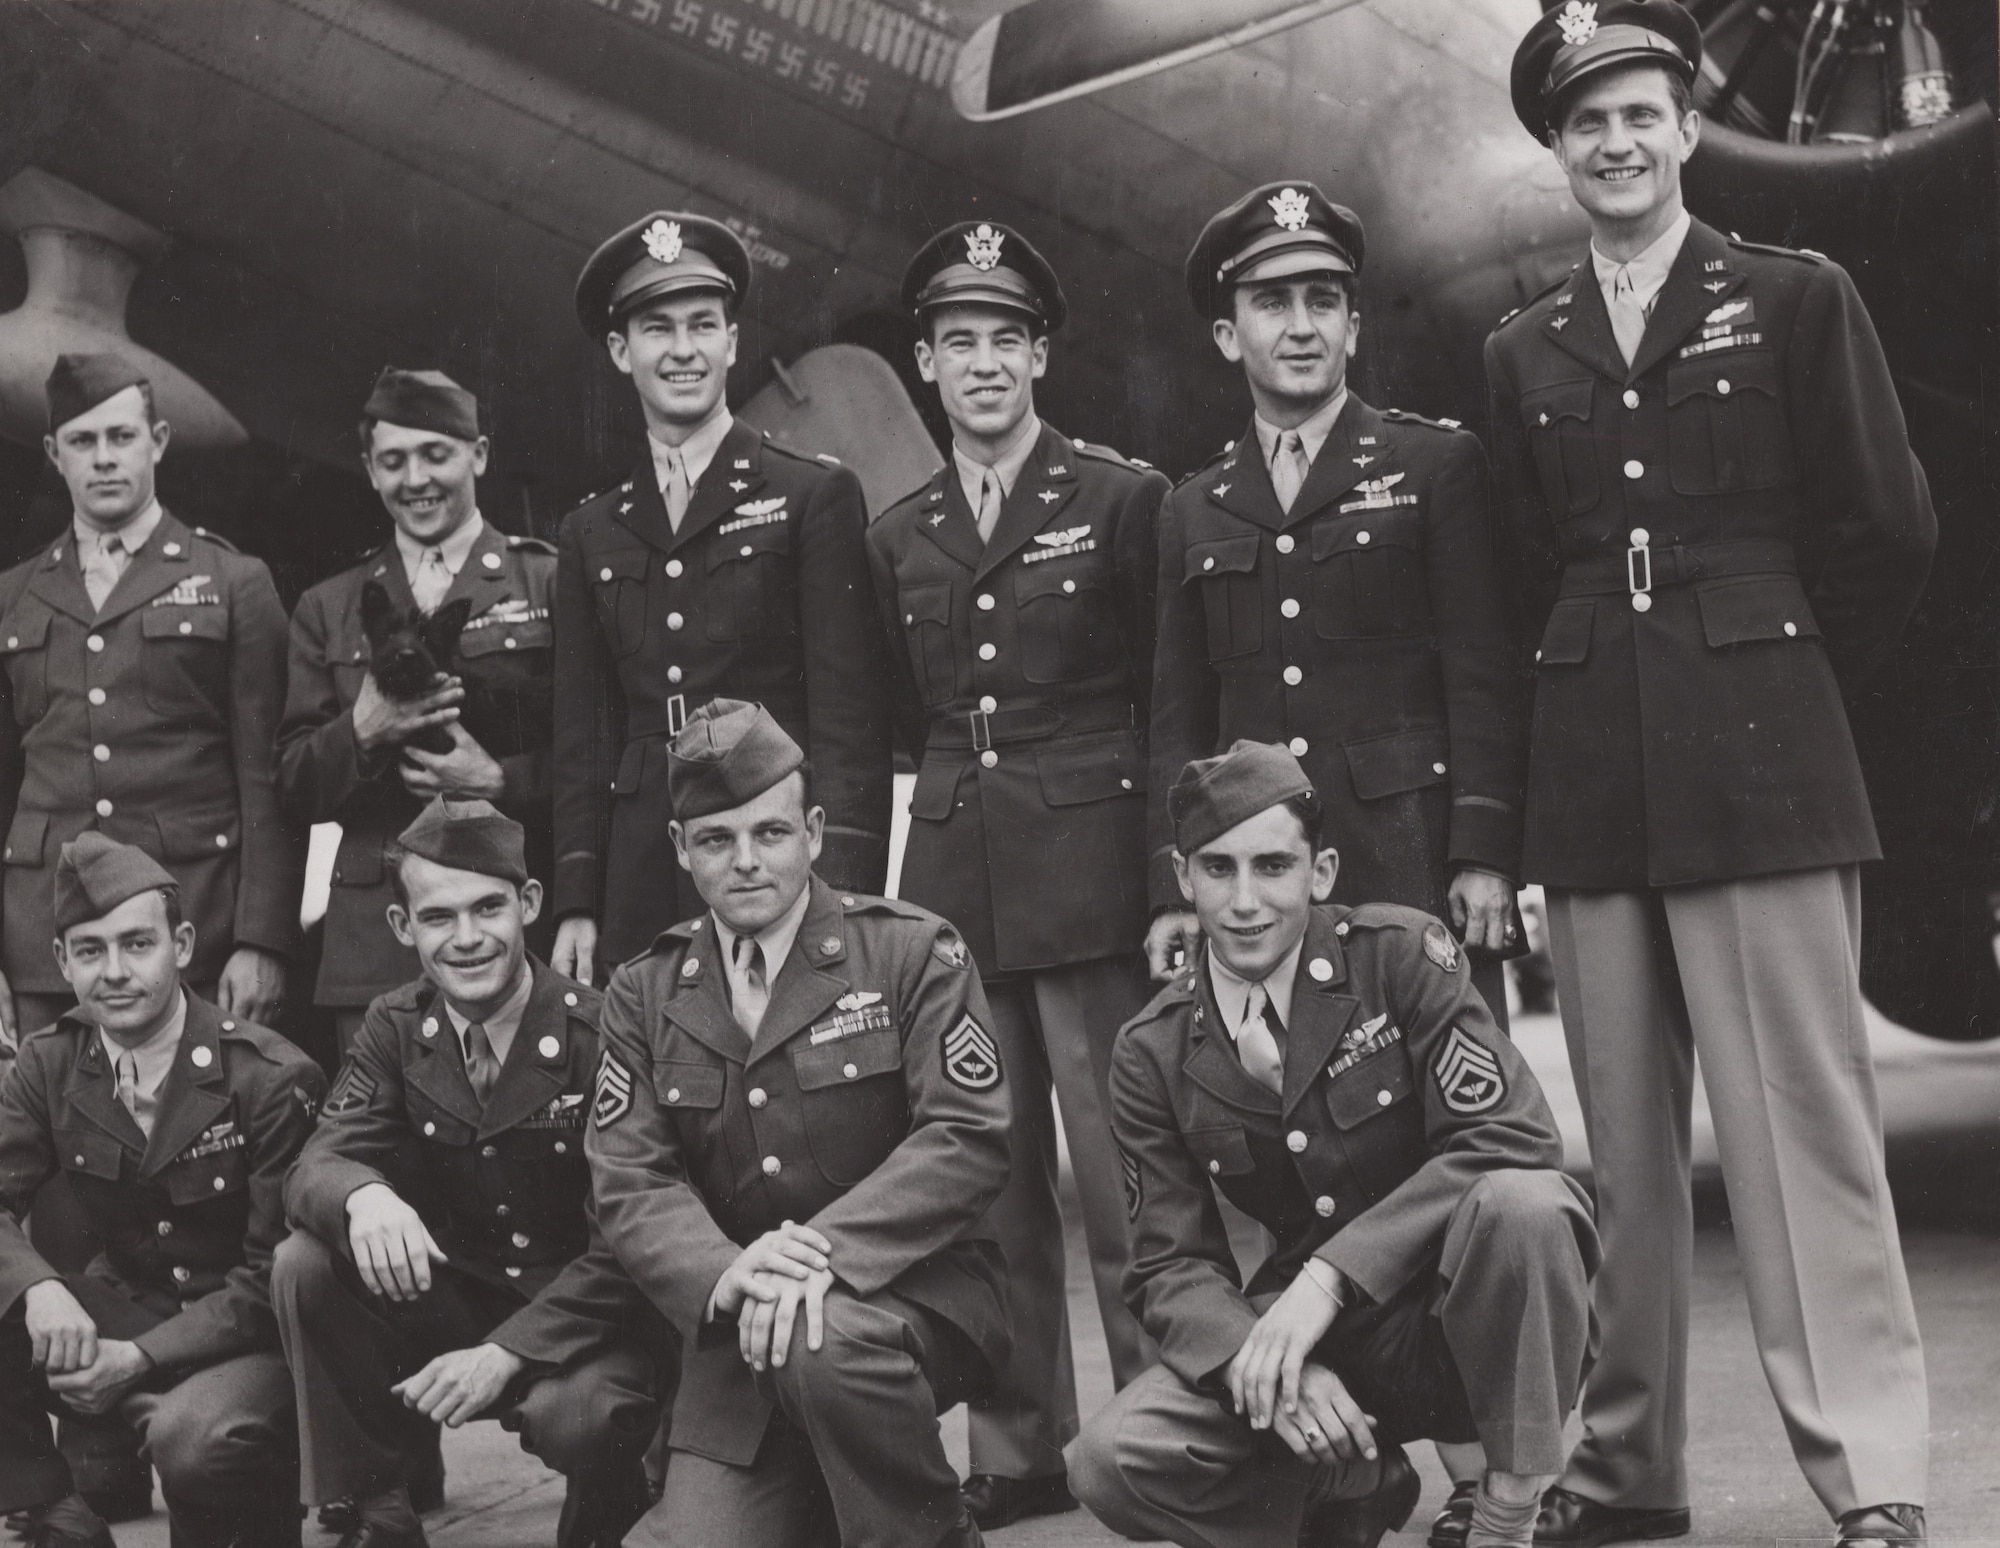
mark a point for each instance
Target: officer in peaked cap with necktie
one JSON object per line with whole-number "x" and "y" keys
{"x": 725, "y": 564}
{"x": 1017, "y": 590}
{"x": 1704, "y": 467}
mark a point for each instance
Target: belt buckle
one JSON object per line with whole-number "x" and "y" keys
{"x": 1633, "y": 568}
{"x": 677, "y": 717}
{"x": 982, "y": 730}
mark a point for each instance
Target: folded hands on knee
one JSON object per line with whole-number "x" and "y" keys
{"x": 460, "y": 1385}
{"x": 1275, "y": 1386}
{"x": 775, "y": 1277}
{"x": 87, "y": 1372}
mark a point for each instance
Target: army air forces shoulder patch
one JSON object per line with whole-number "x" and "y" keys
{"x": 1441, "y": 948}
{"x": 614, "y": 1091}
{"x": 351, "y": 1093}
{"x": 971, "y": 1057}
{"x": 949, "y": 949}
{"x": 1135, "y": 1191}
{"x": 1468, "y": 1077}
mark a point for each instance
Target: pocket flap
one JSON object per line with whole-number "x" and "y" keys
{"x": 678, "y": 1083}
{"x": 1053, "y": 580}
{"x": 1222, "y": 1149}
{"x": 1401, "y": 760}
{"x": 847, "y": 1058}
{"x": 631, "y": 768}
{"x": 1755, "y": 607}
{"x": 87, "y": 1151}
{"x": 358, "y": 860}
{"x": 618, "y": 564}
{"x": 1222, "y": 556}
{"x": 185, "y": 623}
{"x": 1566, "y": 638}
{"x": 499, "y": 638}
{"x": 1360, "y": 531}
{"x": 25, "y": 837}
{"x": 207, "y": 1177}
{"x": 936, "y": 788}
{"x": 1091, "y": 769}
{"x": 1374, "y": 1086}
{"x": 25, "y": 631}
{"x": 1723, "y": 374}
{"x": 1565, "y": 400}
{"x": 926, "y": 603}
{"x": 773, "y": 537}
{"x": 184, "y": 837}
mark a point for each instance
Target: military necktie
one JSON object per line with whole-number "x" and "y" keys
{"x": 431, "y": 581}
{"x": 103, "y": 562}
{"x": 749, "y": 991}
{"x": 1260, "y": 1041}
{"x": 138, "y": 1106}
{"x": 678, "y": 491}
{"x": 481, "y": 1068}
{"x": 991, "y": 496}
{"x": 1628, "y": 317}
{"x": 1289, "y": 468}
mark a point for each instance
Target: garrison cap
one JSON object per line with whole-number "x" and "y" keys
{"x": 729, "y": 752}
{"x": 1213, "y": 795}
{"x": 1584, "y": 37}
{"x": 80, "y": 382}
{"x": 423, "y": 400}
{"x": 984, "y": 263}
{"x": 1279, "y": 231}
{"x": 95, "y": 874}
{"x": 468, "y": 836}
{"x": 666, "y": 253}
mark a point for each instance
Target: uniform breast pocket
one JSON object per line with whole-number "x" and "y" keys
{"x": 926, "y": 610}
{"x": 85, "y": 1153}
{"x": 26, "y": 646}
{"x": 1753, "y": 608}
{"x": 1725, "y": 430}
{"x": 1381, "y": 1122}
{"x": 184, "y": 659}
{"x": 1219, "y": 1149}
{"x": 691, "y": 1090}
{"x": 752, "y": 584}
{"x": 1368, "y": 575}
{"x": 205, "y": 1179}
{"x": 618, "y": 587}
{"x": 435, "y": 1126}
{"x": 1069, "y": 626}
{"x": 857, "y": 1107}
{"x": 1557, "y": 420}
{"x": 1225, "y": 570}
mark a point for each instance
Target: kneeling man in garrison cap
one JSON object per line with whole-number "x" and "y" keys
{"x": 1334, "y": 1074}
{"x": 174, "y": 1125}
{"x": 447, "y": 1265}
{"x": 801, "y": 1117}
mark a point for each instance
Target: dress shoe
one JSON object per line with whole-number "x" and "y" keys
{"x": 1454, "y": 1523}
{"x": 1882, "y": 1526}
{"x": 68, "y": 1523}
{"x": 426, "y": 1492}
{"x": 1362, "y": 1521}
{"x": 993, "y": 1501}
{"x": 1568, "y": 1520}
{"x": 372, "y": 1534}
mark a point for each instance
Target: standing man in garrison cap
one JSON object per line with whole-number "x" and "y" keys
{"x": 1721, "y": 525}
{"x": 726, "y": 564}
{"x": 801, "y": 1117}
{"x": 346, "y": 749}
{"x": 1017, "y": 590}
{"x": 143, "y": 673}
{"x": 447, "y": 1265}
{"x": 1328, "y": 583}
{"x": 175, "y": 1124}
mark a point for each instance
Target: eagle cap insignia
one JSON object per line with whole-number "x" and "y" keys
{"x": 1578, "y": 21}
{"x": 1289, "y": 209}
{"x": 663, "y": 241}
{"x": 982, "y": 247}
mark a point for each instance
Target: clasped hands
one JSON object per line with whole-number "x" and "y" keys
{"x": 1276, "y": 1387}
{"x": 90, "y": 1374}
{"x": 776, "y": 1276}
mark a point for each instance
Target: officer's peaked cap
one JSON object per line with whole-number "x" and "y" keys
{"x": 983, "y": 263}
{"x": 1582, "y": 38}
{"x": 728, "y": 753}
{"x": 424, "y": 400}
{"x": 1213, "y": 795}
{"x": 80, "y": 382}
{"x": 95, "y": 874}
{"x": 666, "y": 253}
{"x": 1278, "y": 231}
{"x": 468, "y": 836}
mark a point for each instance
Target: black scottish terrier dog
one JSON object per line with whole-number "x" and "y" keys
{"x": 508, "y": 700}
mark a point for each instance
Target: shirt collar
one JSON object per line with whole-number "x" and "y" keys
{"x": 775, "y": 938}
{"x": 503, "y": 1023}
{"x": 132, "y": 536}
{"x": 1232, "y": 994}
{"x": 971, "y": 473}
{"x": 696, "y": 452}
{"x": 1312, "y": 433}
{"x": 154, "y": 1057}
{"x": 1648, "y": 270}
{"x": 451, "y": 550}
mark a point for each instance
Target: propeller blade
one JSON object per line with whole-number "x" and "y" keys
{"x": 1051, "y": 50}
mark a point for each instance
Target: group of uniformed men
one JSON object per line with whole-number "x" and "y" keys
{"x": 787, "y": 1189}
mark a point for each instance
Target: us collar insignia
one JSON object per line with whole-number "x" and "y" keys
{"x": 1713, "y": 286}
{"x": 1363, "y": 460}
{"x": 1289, "y": 209}
{"x": 982, "y": 247}
{"x": 1048, "y": 497}
{"x": 1578, "y": 22}
{"x": 663, "y": 241}
{"x": 1559, "y": 323}
{"x": 737, "y": 486}
{"x": 1219, "y": 490}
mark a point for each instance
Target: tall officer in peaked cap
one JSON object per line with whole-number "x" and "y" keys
{"x": 1017, "y": 589}
{"x": 1705, "y": 468}
{"x": 345, "y": 753}
{"x": 726, "y": 564}
{"x": 175, "y": 1124}
{"x": 1328, "y": 583}
{"x": 801, "y": 1117}
{"x": 447, "y": 1264}
{"x": 144, "y": 674}
{"x": 1333, "y": 1073}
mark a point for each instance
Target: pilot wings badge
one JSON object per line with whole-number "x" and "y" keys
{"x": 982, "y": 247}
{"x": 1063, "y": 538}
{"x": 1578, "y": 22}
{"x": 663, "y": 241}
{"x": 1289, "y": 209}
{"x": 859, "y": 999}
{"x": 1056, "y": 545}
{"x": 756, "y": 513}
{"x": 1375, "y": 494}
{"x": 1727, "y": 312}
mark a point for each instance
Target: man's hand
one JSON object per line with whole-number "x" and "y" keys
{"x": 461, "y": 1385}
{"x": 793, "y": 1251}
{"x": 97, "y": 1387}
{"x": 381, "y": 722}
{"x": 1177, "y": 930}
{"x": 575, "y": 953}
{"x": 60, "y": 1333}
{"x": 1329, "y": 1425}
{"x": 764, "y": 1328}
{"x": 1264, "y": 1376}
{"x": 467, "y": 772}
{"x": 252, "y": 985}
{"x": 391, "y": 1245}
{"x": 1482, "y": 909}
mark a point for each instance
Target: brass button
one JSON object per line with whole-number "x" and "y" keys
{"x": 1069, "y": 586}
{"x": 1383, "y": 1099}
{"x": 1323, "y": 1207}
{"x": 989, "y": 758}
{"x": 675, "y": 621}
{"x": 1295, "y": 1142}
{"x": 1635, "y": 469}
{"x": 1631, "y": 398}
{"x": 1208, "y": 563}
{"x": 674, "y": 568}
{"x": 1289, "y": 607}
{"x": 1298, "y": 746}
{"x": 1437, "y": 768}
{"x": 165, "y": 1228}
{"x": 773, "y": 1166}
{"x": 221, "y": 1183}
{"x": 605, "y": 573}
{"x": 1286, "y": 543}
{"x": 503, "y": 1210}
{"x": 94, "y": 643}
{"x": 988, "y": 651}
{"x": 1641, "y": 602}
{"x": 96, "y": 694}
{"x": 988, "y": 704}
{"x": 1791, "y": 628}
{"x": 489, "y": 1151}
{"x": 985, "y": 601}
{"x": 1364, "y": 538}
{"x": 181, "y": 1274}
{"x": 850, "y": 1071}
{"x": 1321, "y": 969}
{"x": 673, "y": 1093}
{"x": 519, "y": 1239}
{"x": 758, "y": 1096}
{"x": 673, "y": 674}
{"x": 1215, "y": 1166}
{"x": 1293, "y": 677}
{"x": 1722, "y": 385}
{"x": 512, "y": 1272}
{"x": 1640, "y": 537}
{"x": 430, "y": 1129}
{"x": 104, "y": 806}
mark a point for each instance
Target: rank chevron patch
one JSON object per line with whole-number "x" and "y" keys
{"x": 1468, "y": 1077}
{"x": 614, "y": 1091}
{"x": 971, "y": 1057}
